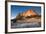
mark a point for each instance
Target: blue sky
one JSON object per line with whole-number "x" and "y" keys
{"x": 15, "y": 9}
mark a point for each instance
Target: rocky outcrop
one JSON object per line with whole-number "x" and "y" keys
{"x": 28, "y": 16}
{"x": 28, "y": 13}
{"x": 27, "y": 19}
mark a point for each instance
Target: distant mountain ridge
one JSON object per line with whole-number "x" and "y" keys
{"x": 29, "y": 12}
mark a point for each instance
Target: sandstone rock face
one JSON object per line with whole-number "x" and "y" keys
{"x": 28, "y": 13}
{"x": 28, "y": 16}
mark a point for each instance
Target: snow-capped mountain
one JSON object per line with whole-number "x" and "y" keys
{"x": 13, "y": 17}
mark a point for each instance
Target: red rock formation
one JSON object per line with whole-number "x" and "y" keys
{"x": 28, "y": 13}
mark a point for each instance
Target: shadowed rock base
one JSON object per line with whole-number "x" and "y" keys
{"x": 25, "y": 25}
